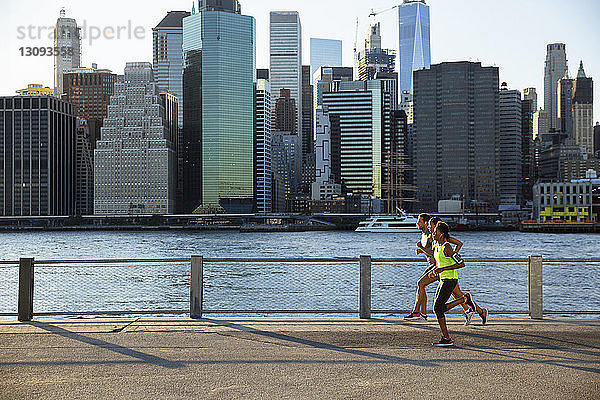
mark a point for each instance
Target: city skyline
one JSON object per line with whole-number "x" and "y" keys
{"x": 460, "y": 31}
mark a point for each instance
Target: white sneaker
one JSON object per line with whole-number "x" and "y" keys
{"x": 468, "y": 316}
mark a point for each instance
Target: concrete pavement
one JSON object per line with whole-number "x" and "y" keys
{"x": 297, "y": 358}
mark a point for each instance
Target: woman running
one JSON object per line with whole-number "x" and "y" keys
{"x": 445, "y": 270}
{"x": 420, "y": 308}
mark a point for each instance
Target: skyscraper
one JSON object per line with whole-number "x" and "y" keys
{"x": 84, "y": 174}
{"x": 324, "y": 53}
{"x": 456, "y": 130}
{"x": 360, "y": 119}
{"x": 510, "y": 147}
{"x": 555, "y": 68}
{"x": 564, "y": 106}
{"x": 37, "y": 156}
{"x": 67, "y": 42}
{"x": 167, "y": 60}
{"x": 286, "y": 57}
{"x": 414, "y": 51}
{"x": 528, "y": 104}
{"x": 262, "y": 143}
{"x": 219, "y": 74}
{"x": 583, "y": 110}
{"x": 531, "y": 94}
{"x": 308, "y": 159}
{"x": 89, "y": 90}
{"x": 285, "y": 112}
{"x": 134, "y": 161}
{"x": 373, "y": 58}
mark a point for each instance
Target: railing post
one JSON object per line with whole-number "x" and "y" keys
{"x": 364, "y": 310}
{"x": 196, "y": 287}
{"x": 25, "y": 307}
{"x": 536, "y": 304}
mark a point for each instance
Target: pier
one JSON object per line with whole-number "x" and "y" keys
{"x": 297, "y": 358}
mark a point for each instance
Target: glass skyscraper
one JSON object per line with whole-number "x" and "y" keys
{"x": 324, "y": 52}
{"x": 414, "y": 51}
{"x": 219, "y": 63}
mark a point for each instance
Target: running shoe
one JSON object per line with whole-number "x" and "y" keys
{"x": 468, "y": 316}
{"x": 469, "y": 301}
{"x": 444, "y": 342}
{"x": 484, "y": 316}
{"x": 414, "y": 316}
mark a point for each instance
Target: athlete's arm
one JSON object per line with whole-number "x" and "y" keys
{"x": 455, "y": 242}
{"x": 448, "y": 252}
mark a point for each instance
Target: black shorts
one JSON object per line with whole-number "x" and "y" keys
{"x": 443, "y": 293}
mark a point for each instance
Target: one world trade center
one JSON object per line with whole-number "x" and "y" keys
{"x": 414, "y": 51}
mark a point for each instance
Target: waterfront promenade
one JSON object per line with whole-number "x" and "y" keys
{"x": 297, "y": 358}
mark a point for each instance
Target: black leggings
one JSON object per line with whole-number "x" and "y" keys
{"x": 443, "y": 293}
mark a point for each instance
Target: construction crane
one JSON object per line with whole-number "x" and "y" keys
{"x": 375, "y": 13}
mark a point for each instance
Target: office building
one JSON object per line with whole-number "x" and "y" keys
{"x": 576, "y": 200}
{"x": 541, "y": 125}
{"x": 373, "y": 59}
{"x": 456, "y": 129}
{"x": 564, "y": 106}
{"x": 89, "y": 90}
{"x": 510, "y": 153}
{"x": 555, "y": 68}
{"x": 286, "y": 152}
{"x": 286, "y": 57}
{"x": 359, "y": 115}
{"x": 262, "y": 143}
{"x": 37, "y": 156}
{"x": 531, "y": 94}
{"x": 528, "y": 104}
{"x": 324, "y": 53}
{"x": 219, "y": 74}
{"x": 36, "y": 89}
{"x": 84, "y": 174}
{"x": 134, "y": 161}
{"x": 329, "y": 79}
{"x": 597, "y": 139}
{"x": 414, "y": 51}
{"x": 67, "y": 40}
{"x": 322, "y": 147}
{"x": 167, "y": 60}
{"x": 583, "y": 111}
{"x": 285, "y": 112}
{"x": 308, "y": 159}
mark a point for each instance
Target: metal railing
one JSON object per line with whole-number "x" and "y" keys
{"x": 362, "y": 285}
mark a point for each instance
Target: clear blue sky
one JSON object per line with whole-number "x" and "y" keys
{"x": 511, "y": 34}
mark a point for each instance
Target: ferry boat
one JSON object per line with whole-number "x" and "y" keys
{"x": 389, "y": 224}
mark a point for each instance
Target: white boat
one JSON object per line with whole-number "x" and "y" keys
{"x": 389, "y": 224}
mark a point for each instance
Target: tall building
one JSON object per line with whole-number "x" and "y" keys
{"x": 541, "y": 125}
{"x": 373, "y": 59}
{"x": 286, "y": 57}
{"x": 134, "y": 161}
{"x": 564, "y": 106}
{"x": 67, "y": 40}
{"x": 597, "y": 139}
{"x": 456, "y": 128}
{"x": 36, "y": 89}
{"x": 262, "y": 146}
{"x": 510, "y": 149}
{"x": 322, "y": 146}
{"x": 285, "y": 112}
{"x": 89, "y": 90}
{"x": 308, "y": 159}
{"x": 167, "y": 60}
{"x": 219, "y": 74}
{"x": 84, "y": 174}
{"x": 555, "y": 68}
{"x": 329, "y": 79}
{"x": 583, "y": 110}
{"x": 285, "y": 155}
{"x": 37, "y": 156}
{"x": 324, "y": 53}
{"x": 531, "y": 94}
{"x": 414, "y": 51}
{"x": 360, "y": 119}
{"x": 528, "y": 104}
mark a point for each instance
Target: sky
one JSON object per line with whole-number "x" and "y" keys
{"x": 509, "y": 34}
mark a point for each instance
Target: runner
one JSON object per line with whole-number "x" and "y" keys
{"x": 424, "y": 246}
{"x": 445, "y": 270}
{"x": 420, "y": 309}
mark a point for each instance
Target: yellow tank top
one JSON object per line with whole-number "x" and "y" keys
{"x": 444, "y": 261}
